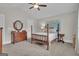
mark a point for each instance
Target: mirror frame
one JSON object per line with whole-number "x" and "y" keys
{"x": 14, "y": 25}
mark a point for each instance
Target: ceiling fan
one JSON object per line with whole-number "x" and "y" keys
{"x": 36, "y": 5}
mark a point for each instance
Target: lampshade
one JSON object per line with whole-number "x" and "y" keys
{"x": 43, "y": 26}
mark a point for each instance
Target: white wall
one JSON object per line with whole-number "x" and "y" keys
{"x": 68, "y": 24}
{"x": 2, "y": 24}
{"x": 77, "y": 41}
{"x": 12, "y": 15}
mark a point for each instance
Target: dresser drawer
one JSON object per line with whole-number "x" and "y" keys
{"x": 19, "y": 36}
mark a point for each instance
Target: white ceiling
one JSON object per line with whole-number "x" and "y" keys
{"x": 52, "y": 9}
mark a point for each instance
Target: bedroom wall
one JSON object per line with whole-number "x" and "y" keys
{"x": 2, "y": 24}
{"x": 77, "y": 41}
{"x": 10, "y": 16}
{"x": 68, "y": 24}
{"x": 68, "y": 21}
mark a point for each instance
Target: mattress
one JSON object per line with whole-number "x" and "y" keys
{"x": 52, "y": 36}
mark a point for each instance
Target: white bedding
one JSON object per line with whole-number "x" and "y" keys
{"x": 52, "y": 36}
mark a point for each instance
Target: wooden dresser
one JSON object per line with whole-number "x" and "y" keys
{"x": 18, "y": 36}
{"x": 0, "y": 40}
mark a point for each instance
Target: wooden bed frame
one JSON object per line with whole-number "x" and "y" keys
{"x": 44, "y": 38}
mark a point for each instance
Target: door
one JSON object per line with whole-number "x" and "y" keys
{"x": 0, "y": 40}
{"x": 2, "y": 31}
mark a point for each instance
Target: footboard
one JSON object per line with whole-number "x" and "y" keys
{"x": 39, "y": 38}
{"x": 44, "y": 39}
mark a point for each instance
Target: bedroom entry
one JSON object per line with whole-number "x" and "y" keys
{"x": 2, "y": 31}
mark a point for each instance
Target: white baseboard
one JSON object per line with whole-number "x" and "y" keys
{"x": 77, "y": 51}
{"x": 7, "y": 42}
{"x": 68, "y": 41}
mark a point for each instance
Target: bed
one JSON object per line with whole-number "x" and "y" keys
{"x": 44, "y": 37}
{"x": 38, "y": 35}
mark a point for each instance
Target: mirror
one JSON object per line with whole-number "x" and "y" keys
{"x": 18, "y": 25}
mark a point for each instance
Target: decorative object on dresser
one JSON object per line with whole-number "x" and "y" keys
{"x": 1, "y": 40}
{"x": 19, "y": 34}
{"x": 18, "y": 25}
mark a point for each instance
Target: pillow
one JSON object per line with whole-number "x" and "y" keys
{"x": 52, "y": 30}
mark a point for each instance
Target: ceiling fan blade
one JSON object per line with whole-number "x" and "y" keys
{"x": 38, "y": 9}
{"x": 32, "y": 3}
{"x": 43, "y": 5}
{"x": 31, "y": 7}
{"x": 29, "y": 3}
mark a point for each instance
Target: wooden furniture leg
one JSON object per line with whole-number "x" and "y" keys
{"x": 47, "y": 46}
{"x": 61, "y": 38}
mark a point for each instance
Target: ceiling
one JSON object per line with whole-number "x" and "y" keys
{"x": 52, "y": 9}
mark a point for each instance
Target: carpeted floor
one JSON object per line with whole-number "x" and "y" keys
{"x": 25, "y": 48}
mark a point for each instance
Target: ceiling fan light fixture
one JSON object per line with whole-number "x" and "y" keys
{"x": 36, "y": 6}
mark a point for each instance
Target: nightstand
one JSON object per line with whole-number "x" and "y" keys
{"x": 61, "y": 36}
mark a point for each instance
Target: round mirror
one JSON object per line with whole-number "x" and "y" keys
{"x": 18, "y": 25}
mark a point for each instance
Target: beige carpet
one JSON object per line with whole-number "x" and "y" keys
{"x": 25, "y": 48}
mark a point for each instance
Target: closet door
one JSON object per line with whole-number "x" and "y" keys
{"x": 0, "y": 40}
{"x": 2, "y": 30}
